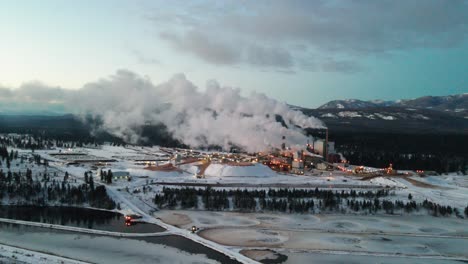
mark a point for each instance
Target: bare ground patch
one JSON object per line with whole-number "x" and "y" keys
{"x": 422, "y": 184}
{"x": 245, "y": 237}
{"x": 175, "y": 219}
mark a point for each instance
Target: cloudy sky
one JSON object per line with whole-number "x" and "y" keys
{"x": 302, "y": 52}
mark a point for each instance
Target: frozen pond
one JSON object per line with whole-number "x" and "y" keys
{"x": 106, "y": 249}
{"x": 312, "y": 258}
{"x": 77, "y": 217}
{"x": 334, "y": 238}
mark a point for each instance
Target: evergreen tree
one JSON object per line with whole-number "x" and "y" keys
{"x": 109, "y": 177}
{"x": 91, "y": 182}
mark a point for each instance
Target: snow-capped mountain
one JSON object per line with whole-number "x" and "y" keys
{"x": 392, "y": 119}
{"x": 451, "y": 103}
{"x": 355, "y": 104}
{"x": 426, "y": 114}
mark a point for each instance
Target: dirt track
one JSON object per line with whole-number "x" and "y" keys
{"x": 270, "y": 185}
{"x": 421, "y": 184}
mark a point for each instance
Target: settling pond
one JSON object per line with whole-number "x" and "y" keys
{"x": 99, "y": 248}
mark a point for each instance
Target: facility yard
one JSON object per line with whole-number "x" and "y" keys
{"x": 328, "y": 236}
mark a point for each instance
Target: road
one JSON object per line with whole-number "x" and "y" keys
{"x": 82, "y": 230}
{"x": 178, "y": 231}
{"x": 269, "y": 185}
{"x": 171, "y": 230}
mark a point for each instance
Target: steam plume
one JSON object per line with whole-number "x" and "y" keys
{"x": 217, "y": 116}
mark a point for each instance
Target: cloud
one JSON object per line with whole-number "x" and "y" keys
{"x": 33, "y": 98}
{"x": 344, "y": 66}
{"x": 143, "y": 58}
{"x": 275, "y": 57}
{"x": 33, "y": 92}
{"x": 281, "y": 33}
{"x": 362, "y": 26}
{"x": 221, "y": 52}
{"x": 205, "y": 47}
{"x": 218, "y": 115}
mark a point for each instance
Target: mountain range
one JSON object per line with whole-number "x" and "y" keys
{"x": 424, "y": 115}
{"x": 452, "y": 103}
{"x": 428, "y": 114}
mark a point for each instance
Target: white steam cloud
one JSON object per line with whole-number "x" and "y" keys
{"x": 218, "y": 116}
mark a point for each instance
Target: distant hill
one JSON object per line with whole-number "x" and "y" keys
{"x": 355, "y": 104}
{"x": 70, "y": 127}
{"x": 418, "y": 138}
{"x": 391, "y": 120}
{"x": 428, "y": 115}
{"x": 457, "y": 104}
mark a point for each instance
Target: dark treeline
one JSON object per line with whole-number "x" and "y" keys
{"x": 22, "y": 188}
{"x": 405, "y": 150}
{"x": 284, "y": 200}
{"x": 294, "y": 201}
{"x": 44, "y": 141}
{"x": 62, "y": 215}
{"x": 25, "y": 190}
{"x": 87, "y": 130}
{"x": 441, "y": 153}
{"x": 106, "y": 176}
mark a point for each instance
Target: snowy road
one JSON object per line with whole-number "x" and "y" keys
{"x": 412, "y": 240}
{"x": 119, "y": 198}
{"x": 83, "y": 230}
{"x": 271, "y": 185}
{"x": 177, "y": 231}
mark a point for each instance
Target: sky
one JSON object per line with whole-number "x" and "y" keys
{"x": 304, "y": 53}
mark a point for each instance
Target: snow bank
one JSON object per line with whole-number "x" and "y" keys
{"x": 189, "y": 168}
{"x": 142, "y": 172}
{"x": 387, "y": 182}
{"x": 221, "y": 170}
{"x": 9, "y": 254}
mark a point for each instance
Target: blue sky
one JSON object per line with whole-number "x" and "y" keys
{"x": 302, "y": 52}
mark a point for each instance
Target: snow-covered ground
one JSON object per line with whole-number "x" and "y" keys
{"x": 403, "y": 237}
{"x": 299, "y": 237}
{"x": 15, "y": 255}
{"x": 337, "y": 257}
{"x": 125, "y": 160}
{"x": 95, "y": 249}
{"x": 256, "y": 170}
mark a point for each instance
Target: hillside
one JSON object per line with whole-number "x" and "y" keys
{"x": 391, "y": 119}
{"x": 457, "y": 104}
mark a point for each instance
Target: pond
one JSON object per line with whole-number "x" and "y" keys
{"x": 100, "y": 248}
{"x": 109, "y": 249}
{"x": 76, "y": 217}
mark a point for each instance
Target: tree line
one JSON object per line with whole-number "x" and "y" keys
{"x": 295, "y": 201}
{"x": 21, "y": 188}
{"x": 436, "y": 152}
